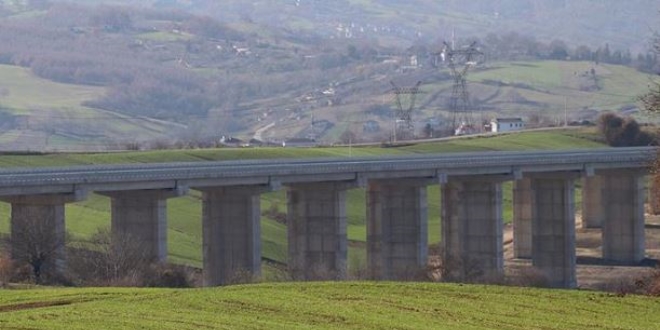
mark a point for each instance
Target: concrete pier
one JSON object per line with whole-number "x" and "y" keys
{"x": 623, "y": 208}
{"x": 397, "y": 228}
{"x": 654, "y": 194}
{"x": 231, "y": 233}
{"x": 316, "y": 227}
{"x": 38, "y": 224}
{"x": 593, "y": 209}
{"x": 523, "y": 204}
{"x": 140, "y": 216}
{"x": 472, "y": 228}
{"x": 553, "y": 229}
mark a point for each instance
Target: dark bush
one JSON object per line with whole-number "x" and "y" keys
{"x": 168, "y": 276}
{"x": 622, "y": 132}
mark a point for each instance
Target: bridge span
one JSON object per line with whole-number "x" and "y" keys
{"x": 613, "y": 189}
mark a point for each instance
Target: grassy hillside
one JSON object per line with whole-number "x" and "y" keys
{"x": 40, "y": 113}
{"x": 326, "y": 306}
{"x": 184, "y": 214}
{"x": 267, "y": 67}
{"x": 547, "y": 84}
{"x": 545, "y": 89}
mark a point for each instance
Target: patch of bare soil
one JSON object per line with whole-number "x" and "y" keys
{"x": 592, "y": 271}
{"x": 33, "y": 305}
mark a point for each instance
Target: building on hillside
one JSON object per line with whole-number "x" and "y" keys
{"x": 499, "y": 125}
{"x": 230, "y": 141}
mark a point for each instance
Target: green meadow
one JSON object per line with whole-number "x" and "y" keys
{"x": 61, "y": 109}
{"x": 341, "y": 305}
{"x": 184, "y": 214}
{"x": 548, "y": 87}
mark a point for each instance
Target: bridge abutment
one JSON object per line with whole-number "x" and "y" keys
{"x": 397, "y": 228}
{"x": 472, "y": 228}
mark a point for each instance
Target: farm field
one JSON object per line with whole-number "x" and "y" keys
{"x": 549, "y": 84}
{"x": 53, "y": 115}
{"x": 184, "y": 214}
{"x": 43, "y": 115}
{"x": 546, "y": 89}
{"x": 345, "y": 305}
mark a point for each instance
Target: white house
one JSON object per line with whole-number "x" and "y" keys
{"x": 499, "y": 125}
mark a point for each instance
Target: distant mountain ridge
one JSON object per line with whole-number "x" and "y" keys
{"x": 623, "y": 24}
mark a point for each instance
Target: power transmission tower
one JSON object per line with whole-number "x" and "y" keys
{"x": 404, "y": 127}
{"x": 462, "y": 122}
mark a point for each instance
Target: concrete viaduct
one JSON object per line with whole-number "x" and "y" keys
{"x": 471, "y": 216}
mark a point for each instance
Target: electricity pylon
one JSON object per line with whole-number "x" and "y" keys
{"x": 404, "y": 127}
{"x": 460, "y": 97}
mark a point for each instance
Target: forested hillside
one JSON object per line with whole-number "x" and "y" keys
{"x": 624, "y": 24}
{"x": 79, "y": 73}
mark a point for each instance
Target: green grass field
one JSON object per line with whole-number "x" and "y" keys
{"x": 184, "y": 214}
{"x": 549, "y": 86}
{"x": 546, "y": 90}
{"x": 58, "y": 108}
{"x": 344, "y": 305}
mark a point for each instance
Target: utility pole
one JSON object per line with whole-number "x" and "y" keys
{"x": 565, "y": 111}
{"x": 313, "y": 134}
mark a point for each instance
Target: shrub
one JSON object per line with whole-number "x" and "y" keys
{"x": 168, "y": 276}
{"x": 650, "y": 284}
{"x": 273, "y": 212}
{"x": 529, "y": 277}
{"x": 108, "y": 260}
{"x": 647, "y": 284}
{"x": 622, "y": 132}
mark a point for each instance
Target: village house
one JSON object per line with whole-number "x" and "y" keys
{"x": 499, "y": 125}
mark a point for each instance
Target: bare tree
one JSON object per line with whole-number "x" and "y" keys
{"x": 348, "y": 137}
{"x": 38, "y": 242}
{"x": 109, "y": 258}
{"x": 651, "y": 99}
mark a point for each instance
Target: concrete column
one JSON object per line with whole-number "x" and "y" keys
{"x": 397, "y": 228}
{"x": 654, "y": 194}
{"x": 472, "y": 228}
{"x": 140, "y": 217}
{"x": 553, "y": 229}
{"x": 523, "y": 203}
{"x": 623, "y": 226}
{"x": 231, "y": 233}
{"x": 592, "y": 203}
{"x": 316, "y": 224}
{"x": 38, "y": 226}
